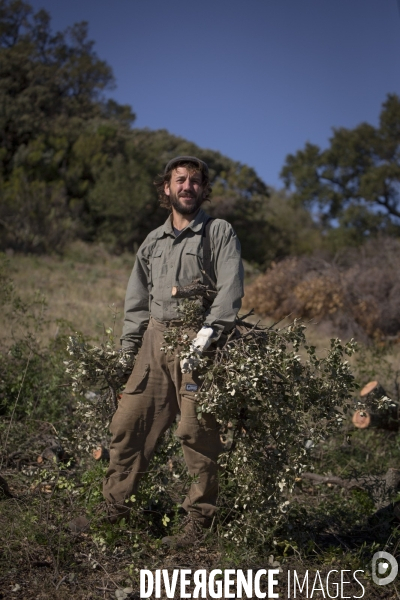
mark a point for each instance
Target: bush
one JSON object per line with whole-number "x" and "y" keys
{"x": 357, "y": 292}
{"x": 274, "y": 407}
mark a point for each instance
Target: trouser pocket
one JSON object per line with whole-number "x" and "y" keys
{"x": 138, "y": 380}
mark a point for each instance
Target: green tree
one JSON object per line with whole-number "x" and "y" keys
{"x": 53, "y": 143}
{"x": 353, "y": 185}
{"x": 72, "y": 165}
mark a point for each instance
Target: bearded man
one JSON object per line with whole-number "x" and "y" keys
{"x": 161, "y": 385}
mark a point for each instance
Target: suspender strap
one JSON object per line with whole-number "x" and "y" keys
{"x": 208, "y": 267}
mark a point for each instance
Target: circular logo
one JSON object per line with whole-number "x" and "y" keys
{"x": 384, "y": 563}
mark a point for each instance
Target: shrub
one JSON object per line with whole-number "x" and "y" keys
{"x": 357, "y": 292}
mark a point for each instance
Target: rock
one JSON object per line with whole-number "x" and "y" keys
{"x": 124, "y": 593}
{"x": 78, "y": 525}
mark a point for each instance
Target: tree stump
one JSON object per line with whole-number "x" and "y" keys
{"x": 383, "y": 419}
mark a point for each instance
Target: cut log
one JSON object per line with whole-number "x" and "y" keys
{"x": 392, "y": 478}
{"x": 101, "y": 453}
{"x": 382, "y": 419}
{"x": 385, "y": 419}
{"x": 51, "y": 453}
{"x": 54, "y": 454}
{"x": 361, "y": 419}
{"x": 196, "y": 288}
{"x": 373, "y": 389}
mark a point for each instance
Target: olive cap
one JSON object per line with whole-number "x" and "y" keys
{"x": 200, "y": 164}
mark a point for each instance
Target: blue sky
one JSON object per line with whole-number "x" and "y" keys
{"x": 253, "y": 79}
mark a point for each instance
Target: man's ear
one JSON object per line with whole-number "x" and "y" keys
{"x": 166, "y": 188}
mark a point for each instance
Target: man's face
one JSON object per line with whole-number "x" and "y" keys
{"x": 185, "y": 190}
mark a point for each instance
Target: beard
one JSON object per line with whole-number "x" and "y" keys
{"x": 188, "y": 208}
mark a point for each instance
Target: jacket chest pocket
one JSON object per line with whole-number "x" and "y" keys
{"x": 158, "y": 268}
{"x": 192, "y": 265}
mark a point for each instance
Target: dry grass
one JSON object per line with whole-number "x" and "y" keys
{"x": 86, "y": 287}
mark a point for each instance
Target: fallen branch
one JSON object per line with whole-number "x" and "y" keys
{"x": 390, "y": 481}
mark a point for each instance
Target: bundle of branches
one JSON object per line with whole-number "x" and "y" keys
{"x": 97, "y": 375}
{"x": 273, "y": 404}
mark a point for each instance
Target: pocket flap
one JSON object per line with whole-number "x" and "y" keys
{"x": 138, "y": 380}
{"x": 194, "y": 252}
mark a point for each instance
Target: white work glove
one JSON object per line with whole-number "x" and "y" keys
{"x": 200, "y": 343}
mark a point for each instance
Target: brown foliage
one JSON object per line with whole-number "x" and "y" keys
{"x": 358, "y": 291}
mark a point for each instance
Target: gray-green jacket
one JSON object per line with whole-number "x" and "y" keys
{"x": 165, "y": 260}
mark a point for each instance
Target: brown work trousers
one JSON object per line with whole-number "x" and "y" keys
{"x": 154, "y": 395}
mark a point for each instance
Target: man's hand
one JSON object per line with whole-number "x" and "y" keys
{"x": 200, "y": 343}
{"x": 125, "y": 363}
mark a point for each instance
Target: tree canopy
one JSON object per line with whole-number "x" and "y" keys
{"x": 73, "y": 166}
{"x": 354, "y": 185}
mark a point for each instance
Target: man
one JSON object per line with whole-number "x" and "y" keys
{"x": 161, "y": 386}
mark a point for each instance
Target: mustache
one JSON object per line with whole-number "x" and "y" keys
{"x": 186, "y": 194}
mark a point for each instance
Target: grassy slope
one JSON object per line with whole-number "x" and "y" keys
{"x": 86, "y": 287}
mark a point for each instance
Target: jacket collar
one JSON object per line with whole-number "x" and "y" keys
{"x": 196, "y": 225}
